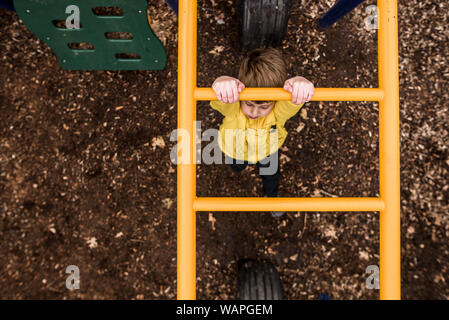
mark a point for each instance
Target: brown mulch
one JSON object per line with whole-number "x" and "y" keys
{"x": 86, "y": 177}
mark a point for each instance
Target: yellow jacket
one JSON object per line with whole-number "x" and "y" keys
{"x": 252, "y": 140}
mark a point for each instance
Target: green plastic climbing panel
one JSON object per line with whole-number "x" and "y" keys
{"x": 110, "y": 35}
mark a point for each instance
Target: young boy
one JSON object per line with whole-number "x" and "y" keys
{"x": 259, "y": 125}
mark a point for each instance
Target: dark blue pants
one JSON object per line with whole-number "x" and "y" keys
{"x": 271, "y": 180}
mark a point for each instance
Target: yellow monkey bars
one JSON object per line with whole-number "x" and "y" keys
{"x": 388, "y": 204}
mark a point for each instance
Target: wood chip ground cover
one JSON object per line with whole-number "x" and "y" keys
{"x": 86, "y": 177}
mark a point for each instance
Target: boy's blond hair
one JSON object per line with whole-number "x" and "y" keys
{"x": 263, "y": 68}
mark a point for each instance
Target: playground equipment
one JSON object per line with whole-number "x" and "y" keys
{"x": 262, "y": 22}
{"x": 173, "y": 4}
{"x": 338, "y": 10}
{"x": 116, "y": 37}
{"x": 258, "y": 280}
{"x": 94, "y": 47}
{"x": 388, "y": 204}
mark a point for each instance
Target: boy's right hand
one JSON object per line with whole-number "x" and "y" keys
{"x": 227, "y": 89}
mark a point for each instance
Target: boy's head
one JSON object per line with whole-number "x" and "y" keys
{"x": 262, "y": 68}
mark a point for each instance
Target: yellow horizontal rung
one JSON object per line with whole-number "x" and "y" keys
{"x": 321, "y": 94}
{"x": 288, "y": 204}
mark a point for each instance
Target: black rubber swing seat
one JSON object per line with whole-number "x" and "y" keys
{"x": 262, "y": 23}
{"x": 258, "y": 280}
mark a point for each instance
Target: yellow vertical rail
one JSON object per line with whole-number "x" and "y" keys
{"x": 186, "y": 180}
{"x": 389, "y": 148}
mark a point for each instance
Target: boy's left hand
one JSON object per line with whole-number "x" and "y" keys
{"x": 302, "y": 90}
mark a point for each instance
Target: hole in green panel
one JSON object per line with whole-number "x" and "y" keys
{"x": 127, "y": 56}
{"x": 107, "y": 11}
{"x": 61, "y": 24}
{"x": 81, "y": 46}
{"x": 119, "y": 35}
